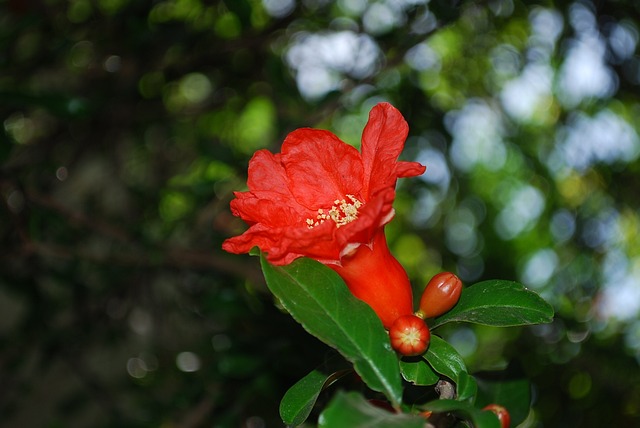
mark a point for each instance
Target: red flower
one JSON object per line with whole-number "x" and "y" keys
{"x": 321, "y": 198}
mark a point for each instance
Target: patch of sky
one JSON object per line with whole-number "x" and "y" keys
{"x": 422, "y": 57}
{"x": 529, "y": 92}
{"x": 322, "y": 60}
{"x": 477, "y": 131}
{"x": 584, "y": 73}
{"x": 623, "y": 39}
{"x": 524, "y": 206}
{"x": 539, "y": 268}
{"x": 587, "y": 140}
{"x": 620, "y": 295}
{"x": 279, "y": 8}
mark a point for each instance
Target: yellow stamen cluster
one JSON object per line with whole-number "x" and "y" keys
{"x": 342, "y": 212}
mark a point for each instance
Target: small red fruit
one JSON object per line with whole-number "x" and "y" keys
{"x": 409, "y": 335}
{"x": 440, "y": 295}
{"x": 501, "y": 413}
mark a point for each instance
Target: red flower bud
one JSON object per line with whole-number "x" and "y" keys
{"x": 440, "y": 295}
{"x": 501, "y": 413}
{"x": 409, "y": 335}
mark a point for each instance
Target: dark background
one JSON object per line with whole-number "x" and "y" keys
{"x": 126, "y": 125}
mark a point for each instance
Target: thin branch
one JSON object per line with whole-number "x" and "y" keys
{"x": 171, "y": 258}
{"x": 77, "y": 217}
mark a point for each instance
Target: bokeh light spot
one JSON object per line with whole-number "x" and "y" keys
{"x": 195, "y": 87}
{"x": 580, "y": 385}
{"x": 188, "y": 362}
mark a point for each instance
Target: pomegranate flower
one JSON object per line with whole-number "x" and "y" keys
{"x": 321, "y": 198}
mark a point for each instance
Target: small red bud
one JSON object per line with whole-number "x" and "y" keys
{"x": 426, "y": 414}
{"x": 409, "y": 335}
{"x": 440, "y": 295}
{"x": 501, "y": 413}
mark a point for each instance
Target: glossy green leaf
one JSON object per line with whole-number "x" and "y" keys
{"x": 298, "y": 401}
{"x": 498, "y": 303}
{"x": 354, "y": 411}
{"x": 512, "y": 393}
{"x": 445, "y": 359}
{"x": 467, "y": 387}
{"x": 464, "y": 410}
{"x": 318, "y": 299}
{"x": 418, "y": 371}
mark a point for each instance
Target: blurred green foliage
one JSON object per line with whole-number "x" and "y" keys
{"x": 127, "y": 125}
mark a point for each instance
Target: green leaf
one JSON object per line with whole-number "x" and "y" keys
{"x": 513, "y": 393}
{"x": 418, "y": 371}
{"x": 317, "y": 298}
{"x": 467, "y": 387}
{"x": 354, "y": 411}
{"x": 445, "y": 359}
{"x": 479, "y": 418}
{"x": 498, "y": 303}
{"x": 298, "y": 401}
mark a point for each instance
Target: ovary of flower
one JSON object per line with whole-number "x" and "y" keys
{"x": 342, "y": 212}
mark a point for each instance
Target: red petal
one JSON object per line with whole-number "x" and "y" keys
{"x": 269, "y": 199}
{"x": 266, "y": 172}
{"x": 258, "y": 235}
{"x": 409, "y": 169}
{"x": 383, "y": 139}
{"x": 284, "y": 244}
{"x": 268, "y": 208}
{"x": 314, "y": 169}
{"x": 320, "y": 167}
{"x": 317, "y": 243}
{"x": 372, "y": 216}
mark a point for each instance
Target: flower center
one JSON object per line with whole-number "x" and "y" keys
{"x": 342, "y": 212}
